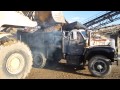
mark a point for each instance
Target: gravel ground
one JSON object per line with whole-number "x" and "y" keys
{"x": 62, "y": 71}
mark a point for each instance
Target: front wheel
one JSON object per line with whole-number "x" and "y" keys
{"x": 99, "y": 66}
{"x": 15, "y": 60}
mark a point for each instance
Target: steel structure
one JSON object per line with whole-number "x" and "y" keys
{"x": 109, "y": 30}
{"x": 103, "y": 20}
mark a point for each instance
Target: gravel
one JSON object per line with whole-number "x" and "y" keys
{"x": 62, "y": 71}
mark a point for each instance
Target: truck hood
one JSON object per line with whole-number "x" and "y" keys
{"x": 101, "y": 46}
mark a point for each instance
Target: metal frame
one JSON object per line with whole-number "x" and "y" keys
{"x": 103, "y": 20}
{"x": 109, "y": 30}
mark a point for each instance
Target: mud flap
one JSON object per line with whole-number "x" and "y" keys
{"x": 118, "y": 62}
{"x": 108, "y": 60}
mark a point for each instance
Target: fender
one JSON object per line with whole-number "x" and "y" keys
{"x": 107, "y": 51}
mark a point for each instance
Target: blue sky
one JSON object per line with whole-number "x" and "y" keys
{"x": 82, "y": 16}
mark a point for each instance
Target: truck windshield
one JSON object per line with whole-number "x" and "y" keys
{"x": 84, "y": 34}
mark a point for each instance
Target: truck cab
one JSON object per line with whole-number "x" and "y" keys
{"x": 75, "y": 41}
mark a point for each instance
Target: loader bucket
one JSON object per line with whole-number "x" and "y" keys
{"x": 48, "y": 18}
{"x": 57, "y": 16}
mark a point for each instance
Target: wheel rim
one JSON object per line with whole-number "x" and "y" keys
{"x": 15, "y": 63}
{"x": 99, "y": 66}
{"x": 38, "y": 60}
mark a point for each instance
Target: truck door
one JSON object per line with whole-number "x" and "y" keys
{"x": 76, "y": 43}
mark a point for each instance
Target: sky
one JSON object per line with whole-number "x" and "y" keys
{"x": 83, "y": 16}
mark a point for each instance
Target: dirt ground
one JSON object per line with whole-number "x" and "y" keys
{"x": 63, "y": 71}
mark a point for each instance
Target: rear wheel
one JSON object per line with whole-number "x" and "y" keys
{"x": 15, "y": 60}
{"x": 39, "y": 60}
{"x": 99, "y": 66}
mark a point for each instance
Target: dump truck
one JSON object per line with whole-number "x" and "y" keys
{"x": 70, "y": 41}
{"x": 15, "y": 56}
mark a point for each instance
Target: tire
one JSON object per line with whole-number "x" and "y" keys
{"x": 39, "y": 60}
{"x": 104, "y": 64}
{"x": 15, "y": 60}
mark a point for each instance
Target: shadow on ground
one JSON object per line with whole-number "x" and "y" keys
{"x": 66, "y": 68}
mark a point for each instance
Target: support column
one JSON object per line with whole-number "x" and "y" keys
{"x": 118, "y": 47}
{"x": 118, "y": 43}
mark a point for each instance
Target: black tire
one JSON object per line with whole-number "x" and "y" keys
{"x": 39, "y": 60}
{"x": 104, "y": 64}
{"x": 15, "y": 60}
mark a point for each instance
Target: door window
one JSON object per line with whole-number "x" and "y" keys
{"x": 79, "y": 37}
